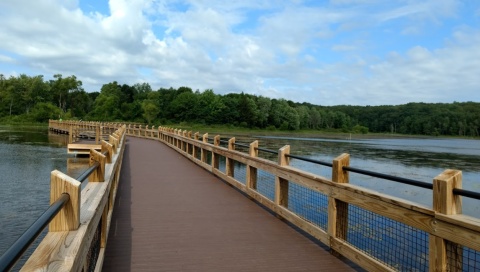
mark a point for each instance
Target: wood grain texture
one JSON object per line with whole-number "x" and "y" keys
{"x": 82, "y": 148}
{"x": 203, "y": 155}
{"x": 444, "y": 201}
{"x": 99, "y": 174}
{"x": 460, "y": 220}
{"x": 229, "y": 162}
{"x": 107, "y": 147}
{"x": 281, "y": 184}
{"x": 437, "y": 254}
{"x": 251, "y": 181}
{"x": 357, "y": 256}
{"x": 338, "y": 209}
{"x": 215, "y": 156}
{"x": 69, "y": 217}
{"x": 113, "y": 141}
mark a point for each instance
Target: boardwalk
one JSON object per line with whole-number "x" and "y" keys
{"x": 171, "y": 215}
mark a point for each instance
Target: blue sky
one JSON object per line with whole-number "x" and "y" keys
{"x": 360, "y": 52}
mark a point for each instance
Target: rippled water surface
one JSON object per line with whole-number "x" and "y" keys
{"x": 27, "y": 156}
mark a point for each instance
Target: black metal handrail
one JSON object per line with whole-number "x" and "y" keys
{"x": 242, "y": 145}
{"x": 16, "y": 251}
{"x": 417, "y": 183}
{"x": 87, "y": 173}
{"x": 266, "y": 150}
{"x": 413, "y": 182}
{"x": 467, "y": 193}
{"x": 309, "y": 160}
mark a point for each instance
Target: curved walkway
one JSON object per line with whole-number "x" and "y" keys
{"x": 171, "y": 215}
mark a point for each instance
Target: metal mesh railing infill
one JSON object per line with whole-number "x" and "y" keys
{"x": 402, "y": 247}
{"x": 266, "y": 184}
{"x": 308, "y": 204}
{"x": 461, "y": 258}
{"x": 94, "y": 250}
{"x": 240, "y": 172}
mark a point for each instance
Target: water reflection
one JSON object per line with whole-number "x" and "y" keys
{"x": 27, "y": 157}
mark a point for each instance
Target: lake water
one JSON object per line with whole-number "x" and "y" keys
{"x": 29, "y": 154}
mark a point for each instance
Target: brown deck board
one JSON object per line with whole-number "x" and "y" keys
{"x": 171, "y": 215}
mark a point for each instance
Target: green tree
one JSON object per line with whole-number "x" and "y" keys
{"x": 150, "y": 110}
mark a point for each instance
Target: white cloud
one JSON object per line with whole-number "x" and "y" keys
{"x": 271, "y": 57}
{"x": 7, "y": 59}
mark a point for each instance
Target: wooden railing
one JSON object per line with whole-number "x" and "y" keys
{"x": 78, "y": 234}
{"x": 448, "y": 240}
{"x": 86, "y": 129}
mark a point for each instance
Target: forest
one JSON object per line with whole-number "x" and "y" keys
{"x": 26, "y": 98}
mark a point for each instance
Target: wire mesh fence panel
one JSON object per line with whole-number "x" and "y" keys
{"x": 399, "y": 246}
{"x": 240, "y": 172}
{"x": 94, "y": 250}
{"x": 222, "y": 162}
{"x": 460, "y": 258}
{"x": 308, "y": 204}
{"x": 266, "y": 184}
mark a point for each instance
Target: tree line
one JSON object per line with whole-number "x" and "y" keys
{"x": 32, "y": 98}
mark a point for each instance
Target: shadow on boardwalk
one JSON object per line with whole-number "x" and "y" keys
{"x": 171, "y": 215}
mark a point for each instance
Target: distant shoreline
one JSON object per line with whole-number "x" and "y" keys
{"x": 282, "y": 133}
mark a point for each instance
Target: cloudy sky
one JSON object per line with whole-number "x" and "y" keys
{"x": 360, "y": 52}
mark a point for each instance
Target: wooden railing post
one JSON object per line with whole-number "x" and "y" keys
{"x": 113, "y": 141}
{"x": 338, "y": 210}
{"x": 215, "y": 156}
{"x": 187, "y": 149}
{"x": 97, "y": 134}
{"x": 195, "y": 149}
{"x": 444, "y": 255}
{"x": 281, "y": 185}
{"x": 252, "y": 171}
{"x": 69, "y": 217}
{"x": 70, "y": 135}
{"x": 183, "y": 142}
{"x": 179, "y": 141}
{"x": 99, "y": 174}
{"x": 203, "y": 155}
{"x": 139, "y": 130}
{"x": 175, "y": 139}
{"x": 230, "y": 163}
{"x": 106, "y": 146}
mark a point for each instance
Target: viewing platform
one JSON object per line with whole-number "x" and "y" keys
{"x": 171, "y": 200}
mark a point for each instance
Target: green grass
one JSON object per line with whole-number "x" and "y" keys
{"x": 11, "y": 123}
